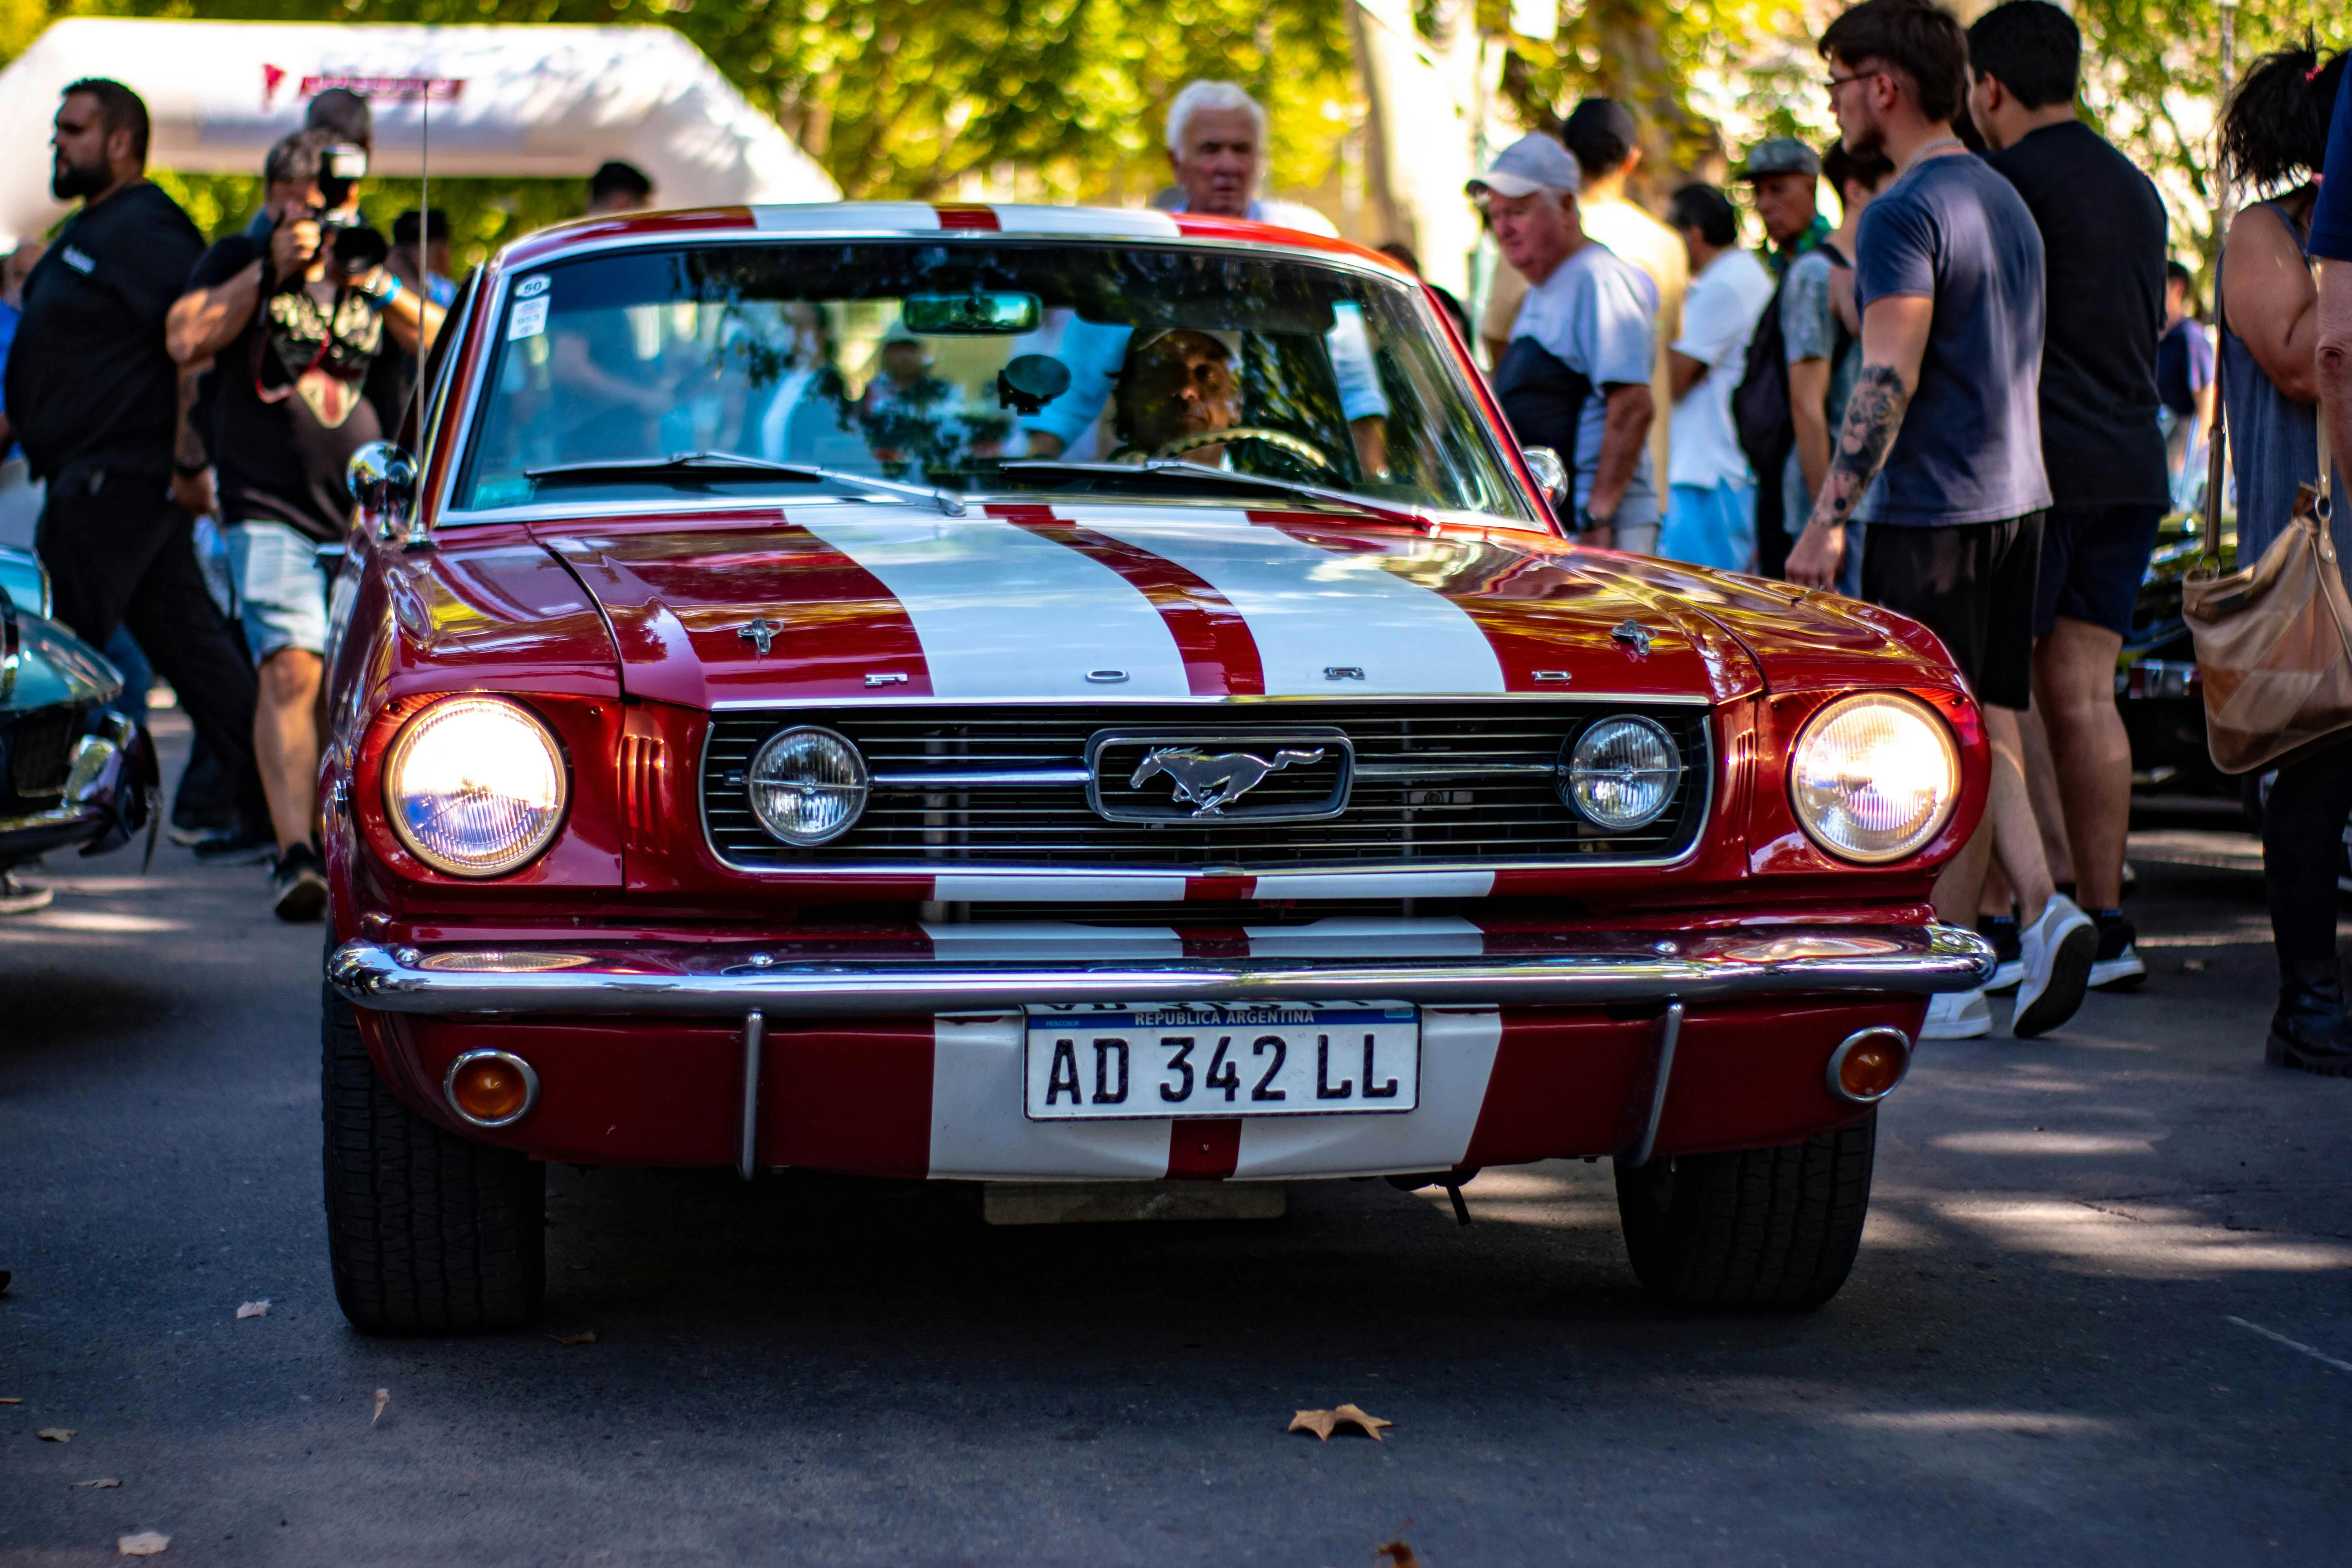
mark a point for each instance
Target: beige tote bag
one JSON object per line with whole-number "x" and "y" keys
{"x": 2273, "y": 641}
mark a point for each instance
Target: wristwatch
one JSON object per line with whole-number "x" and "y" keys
{"x": 1587, "y": 521}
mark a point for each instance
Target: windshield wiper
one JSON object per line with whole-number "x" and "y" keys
{"x": 1197, "y": 474}
{"x": 948, "y": 501}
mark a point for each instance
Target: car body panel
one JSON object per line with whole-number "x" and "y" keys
{"x": 74, "y": 772}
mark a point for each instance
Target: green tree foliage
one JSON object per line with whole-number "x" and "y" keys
{"x": 2152, "y": 79}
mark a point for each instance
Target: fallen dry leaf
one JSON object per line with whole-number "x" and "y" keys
{"x": 146, "y": 1544}
{"x": 254, "y": 1309}
{"x": 76, "y": 1486}
{"x": 1323, "y": 1423}
{"x": 585, "y": 1337}
{"x": 57, "y": 1434}
{"x": 1398, "y": 1554}
{"x": 382, "y": 1398}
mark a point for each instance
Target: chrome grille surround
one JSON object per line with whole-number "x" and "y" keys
{"x": 1438, "y": 784}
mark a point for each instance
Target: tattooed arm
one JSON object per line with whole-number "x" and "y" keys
{"x": 1894, "y": 340}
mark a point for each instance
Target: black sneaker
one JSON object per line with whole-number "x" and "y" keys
{"x": 247, "y": 846}
{"x": 2116, "y": 965}
{"x": 299, "y": 885}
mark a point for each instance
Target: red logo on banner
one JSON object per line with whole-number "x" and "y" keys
{"x": 393, "y": 89}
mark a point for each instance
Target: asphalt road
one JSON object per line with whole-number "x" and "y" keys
{"x": 2058, "y": 1346}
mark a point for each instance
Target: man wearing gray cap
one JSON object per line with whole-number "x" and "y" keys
{"x": 1784, "y": 175}
{"x": 1575, "y": 376}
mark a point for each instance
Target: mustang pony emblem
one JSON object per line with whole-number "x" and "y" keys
{"x": 1210, "y": 781}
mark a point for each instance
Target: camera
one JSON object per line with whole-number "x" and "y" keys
{"x": 348, "y": 241}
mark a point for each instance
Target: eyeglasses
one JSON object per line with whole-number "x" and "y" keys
{"x": 1835, "y": 82}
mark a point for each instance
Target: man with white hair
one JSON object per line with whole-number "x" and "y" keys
{"x": 1575, "y": 376}
{"x": 1216, "y": 146}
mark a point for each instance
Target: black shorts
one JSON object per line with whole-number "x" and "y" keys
{"x": 2093, "y": 558}
{"x": 1972, "y": 586}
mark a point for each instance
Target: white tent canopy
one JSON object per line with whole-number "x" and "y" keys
{"x": 502, "y": 100}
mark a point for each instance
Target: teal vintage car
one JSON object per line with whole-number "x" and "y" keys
{"x": 75, "y": 771}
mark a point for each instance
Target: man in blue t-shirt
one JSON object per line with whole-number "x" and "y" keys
{"x": 1576, "y": 376}
{"x": 1942, "y": 444}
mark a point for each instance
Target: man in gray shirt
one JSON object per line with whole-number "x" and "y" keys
{"x": 1576, "y": 376}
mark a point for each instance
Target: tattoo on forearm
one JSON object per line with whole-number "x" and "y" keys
{"x": 1874, "y": 413}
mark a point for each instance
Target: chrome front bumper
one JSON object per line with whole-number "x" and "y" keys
{"x": 729, "y": 981}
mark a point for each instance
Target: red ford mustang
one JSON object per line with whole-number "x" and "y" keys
{"x": 1032, "y": 694}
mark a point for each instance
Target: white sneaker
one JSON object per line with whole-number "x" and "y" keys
{"x": 2006, "y": 975}
{"x": 2057, "y": 951}
{"x": 1957, "y": 1015}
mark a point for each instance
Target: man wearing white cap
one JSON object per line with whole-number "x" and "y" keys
{"x": 1576, "y": 374}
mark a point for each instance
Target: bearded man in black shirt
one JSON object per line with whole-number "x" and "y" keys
{"x": 2104, "y": 242}
{"x": 93, "y": 397}
{"x": 307, "y": 330}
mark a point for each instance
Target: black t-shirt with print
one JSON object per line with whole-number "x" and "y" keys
{"x": 312, "y": 378}
{"x": 88, "y": 380}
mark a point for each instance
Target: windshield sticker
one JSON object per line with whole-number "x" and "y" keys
{"x": 529, "y": 319}
{"x": 533, "y": 287}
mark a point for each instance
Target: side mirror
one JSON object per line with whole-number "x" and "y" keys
{"x": 382, "y": 478}
{"x": 1544, "y": 463}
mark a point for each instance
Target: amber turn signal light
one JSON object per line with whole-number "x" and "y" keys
{"x": 1868, "y": 1064}
{"x": 490, "y": 1088}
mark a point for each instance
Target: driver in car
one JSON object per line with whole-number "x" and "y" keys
{"x": 1175, "y": 388}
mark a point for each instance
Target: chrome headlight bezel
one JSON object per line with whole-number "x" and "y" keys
{"x": 1813, "y": 815}
{"x": 521, "y": 851}
{"x": 1576, "y": 766}
{"x": 859, "y": 785}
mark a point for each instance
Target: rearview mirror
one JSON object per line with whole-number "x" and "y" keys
{"x": 981, "y": 312}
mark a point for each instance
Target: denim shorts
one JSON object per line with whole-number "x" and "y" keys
{"x": 281, "y": 593}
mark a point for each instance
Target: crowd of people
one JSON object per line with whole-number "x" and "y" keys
{"x": 1970, "y": 398}
{"x": 189, "y": 405}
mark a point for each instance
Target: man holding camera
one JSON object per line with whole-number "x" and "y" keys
{"x": 307, "y": 329}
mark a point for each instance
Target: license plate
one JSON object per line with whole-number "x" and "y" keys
{"x": 1107, "y": 1061}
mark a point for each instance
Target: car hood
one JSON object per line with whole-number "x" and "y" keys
{"x": 1118, "y": 601}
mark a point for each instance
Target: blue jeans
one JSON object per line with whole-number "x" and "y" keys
{"x": 1711, "y": 525}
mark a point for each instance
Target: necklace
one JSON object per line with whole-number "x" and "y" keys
{"x": 1936, "y": 146}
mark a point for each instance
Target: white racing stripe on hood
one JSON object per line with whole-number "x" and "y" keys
{"x": 1001, "y": 613}
{"x": 1313, "y": 610}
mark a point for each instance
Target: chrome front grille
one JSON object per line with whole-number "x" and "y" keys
{"x": 1452, "y": 783}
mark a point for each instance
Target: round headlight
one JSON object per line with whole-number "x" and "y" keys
{"x": 474, "y": 787}
{"x": 1874, "y": 777}
{"x": 1621, "y": 774}
{"x": 808, "y": 785}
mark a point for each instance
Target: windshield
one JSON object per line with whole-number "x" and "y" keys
{"x": 796, "y": 368}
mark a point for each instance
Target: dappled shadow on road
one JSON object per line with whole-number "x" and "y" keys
{"x": 44, "y": 1011}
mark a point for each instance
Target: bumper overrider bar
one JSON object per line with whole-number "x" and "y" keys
{"x": 731, "y": 980}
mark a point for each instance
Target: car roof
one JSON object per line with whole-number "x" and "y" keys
{"x": 890, "y": 220}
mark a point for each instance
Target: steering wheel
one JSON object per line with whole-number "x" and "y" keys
{"x": 1305, "y": 451}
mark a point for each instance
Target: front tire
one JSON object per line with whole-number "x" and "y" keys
{"x": 1758, "y": 1228}
{"x": 427, "y": 1233}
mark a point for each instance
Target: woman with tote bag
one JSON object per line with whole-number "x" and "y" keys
{"x": 2274, "y": 134}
